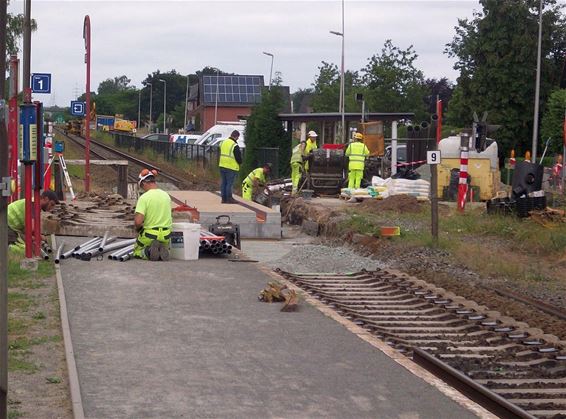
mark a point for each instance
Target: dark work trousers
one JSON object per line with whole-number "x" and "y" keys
{"x": 227, "y": 180}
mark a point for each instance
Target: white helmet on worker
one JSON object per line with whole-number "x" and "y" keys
{"x": 312, "y": 134}
{"x": 146, "y": 175}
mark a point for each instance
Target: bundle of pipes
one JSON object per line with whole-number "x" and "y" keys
{"x": 95, "y": 247}
{"x": 213, "y": 244}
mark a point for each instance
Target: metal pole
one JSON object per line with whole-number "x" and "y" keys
{"x": 139, "y": 108}
{"x": 164, "y": 105}
{"x": 186, "y": 104}
{"x": 150, "y": 103}
{"x": 216, "y": 101}
{"x": 393, "y": 148}
{"x": 537, "y": 89}
{"x": 86, "y": 36}
{"x": 342, "y": 86}
{"x": 4, "y": 173}
{"x": 271, "y": 69}
{"x": 26, "y": 52}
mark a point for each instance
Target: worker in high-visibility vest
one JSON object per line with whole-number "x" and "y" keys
{"x": 17, "y": 215}
{"x": 297, "y": 164}
{"x": 310, "y": 146}
{"x": 357, "y": 152}
{"x": 255, "y": 180}
{"x": 152, "y": 219}
{"x": 229, "y": 163}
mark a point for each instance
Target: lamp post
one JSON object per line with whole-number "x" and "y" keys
{"x": 537, "y": 88}
{"x": 150, "y": 103}
{"x": 216, "y": 100}
{"x": 139, "y": 108}
{"x": 186, "y": 104}
{"x": 271, "y": 69}
{"x": 341, "y": 34}
{"x": 164, "y": 105}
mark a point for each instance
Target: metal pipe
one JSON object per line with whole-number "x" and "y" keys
{"x": 121, "y": 252}
{"x": 44, "y": 254}
{"x": 83, "y": 249}
{"x": 103, "y": 242}
{"x": 126, "y": 257}
{"x": 85, "y": 243}
{"x": 58, "y": 253}
{"x": 94, "y": 251}
{"x": 118, "y": 245}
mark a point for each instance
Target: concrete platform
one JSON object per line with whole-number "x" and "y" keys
{"x": 255, "y": 221}
{"x": 190, "y": 339}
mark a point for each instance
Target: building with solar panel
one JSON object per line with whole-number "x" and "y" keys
{"x": 222, "y": 98}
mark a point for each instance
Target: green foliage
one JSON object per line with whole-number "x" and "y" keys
{"x": 496, "y": 57}
{"x": 264, "y": 129}
{"x": 553, "y": 121}
{"x": 393, "y": 83}
{"x": 14, "y": 31}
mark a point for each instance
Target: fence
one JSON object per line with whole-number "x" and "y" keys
{"x": 203, "y": 154}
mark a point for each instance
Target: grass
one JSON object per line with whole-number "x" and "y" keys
{"x": 19, "y": 278}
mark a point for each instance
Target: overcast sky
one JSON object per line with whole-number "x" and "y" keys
{"x": 135, "y": 38}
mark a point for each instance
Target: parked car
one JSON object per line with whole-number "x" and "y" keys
{"x": 214, "y": 135}
{"x": 184, "y": 138}
{"x": 164, "y": 138}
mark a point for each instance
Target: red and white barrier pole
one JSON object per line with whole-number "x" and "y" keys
{"x": 463, "y": 181}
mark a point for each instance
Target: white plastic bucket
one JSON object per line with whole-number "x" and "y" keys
{"x": 185, "y": 240}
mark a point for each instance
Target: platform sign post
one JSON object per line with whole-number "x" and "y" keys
{"x": 41, "y": 83}
{"x": 77, "y": 108}
{"x": 38, "y": 179}
{"x": 433, "y": 159}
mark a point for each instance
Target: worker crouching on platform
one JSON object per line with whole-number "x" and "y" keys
{"x": 297, "y": 167}
{"x": 152, "y": 219}
{"x": 255, "y": 180}
{"x": 357, "y": 152}
{"x": 17, "y": 215}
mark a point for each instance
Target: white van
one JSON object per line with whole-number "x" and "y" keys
{"x": 219, "y": 132}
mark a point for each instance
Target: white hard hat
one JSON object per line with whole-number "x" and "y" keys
{"x": 312, "y": 134}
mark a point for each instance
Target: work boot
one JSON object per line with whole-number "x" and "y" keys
{"x": 231, "y": 201}
{"x": 163, "y": 252}
{"x": 153, "y": 252}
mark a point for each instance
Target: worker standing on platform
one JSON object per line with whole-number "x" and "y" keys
{"x": 229, "y": 163}
{"x": 310, "y": 146}
{"x": 17, "y": 215}
{"x": 152, "y": 219}
{"x": 357, "y": 152}
{"x": 254, "y": 180}
{"x": 297, "y": 164}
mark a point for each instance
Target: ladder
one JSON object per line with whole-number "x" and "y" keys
{"x": 63, "y": 164}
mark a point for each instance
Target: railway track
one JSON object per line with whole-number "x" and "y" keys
{"x": 106, "y": 152}
{"x": 508, "y": 367}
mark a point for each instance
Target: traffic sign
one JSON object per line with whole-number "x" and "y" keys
{"x": 433, "y": 157}
{"x": 41, "y": 83}
{"x": 78, "y": 108}
{"x": 60, "y": 119}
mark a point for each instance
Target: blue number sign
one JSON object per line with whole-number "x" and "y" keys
{"x": 41, "y": 83}
{"x": 78, "y": 108}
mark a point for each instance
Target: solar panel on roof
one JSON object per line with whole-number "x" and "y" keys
{"x": 232, "y": 89}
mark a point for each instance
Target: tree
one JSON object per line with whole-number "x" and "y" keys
{"x": 496, "y": 57}
{"x": 393, "y": 83}
{"x": 438, "y": 89}
{"x": 115, "y": 85}
{"x": 553, "y": 120}
{"x": 326, "y": 89}
{"x": 14, "y": 30}
{"x": 264, "y": 129}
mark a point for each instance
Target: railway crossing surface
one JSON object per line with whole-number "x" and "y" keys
{"x": 192, "y": 340}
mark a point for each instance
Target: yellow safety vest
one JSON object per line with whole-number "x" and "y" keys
{"x": 17, "y": 215}
{"x": 255, "y": 174}
{"x": 297, "y": 156}
{"x": 227, "y": 159}
{"x": 311, "y": 145}
{"x": 357, "y": 153}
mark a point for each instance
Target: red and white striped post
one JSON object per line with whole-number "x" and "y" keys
{"x": 463, "y": 181}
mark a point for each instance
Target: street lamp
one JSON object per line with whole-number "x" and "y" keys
{"x": 164, "y": 105}
{"x": 216, "y": 100}
{"x": 139, "y": 108}
{"x": 150, "y": 103}
{"x": 341, "y": 34}
{"x": 537, "y": 87}
{"x": 186, "y": 104}
{"x": 271, "y": 69}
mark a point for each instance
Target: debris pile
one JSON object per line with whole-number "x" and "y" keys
{"x": 275, "y": 292}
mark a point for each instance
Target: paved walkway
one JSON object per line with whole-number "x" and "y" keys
{"x": 190, "y": 339}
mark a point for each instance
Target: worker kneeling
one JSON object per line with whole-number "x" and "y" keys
{"x": 357, "y": 152}
{"x": 17, "y": 216}
{"x": 255, "y": 180}
{"x": 152, "y": 219}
